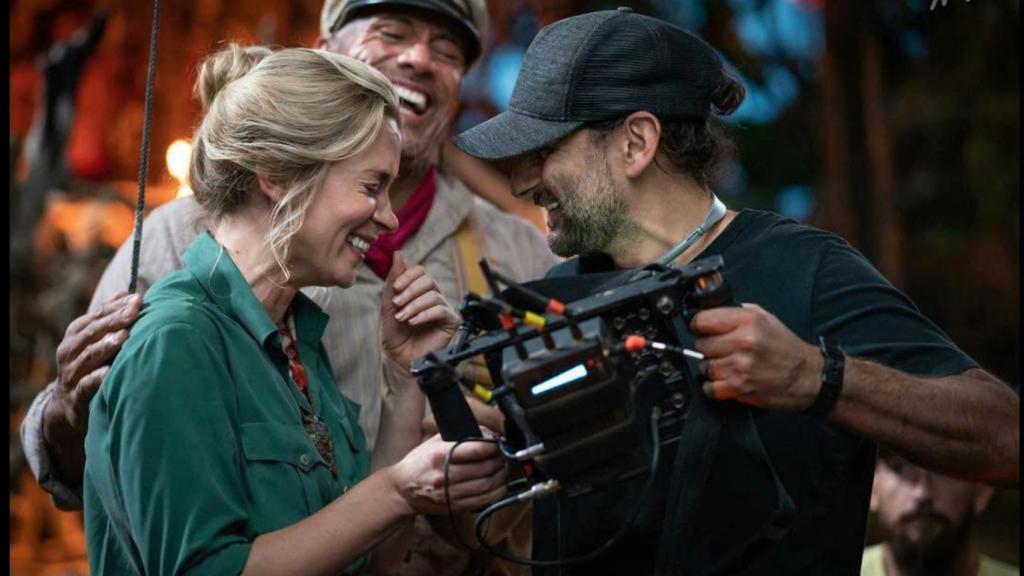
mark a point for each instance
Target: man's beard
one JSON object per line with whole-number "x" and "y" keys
{"x": 416, "y": 160}
{"x": 594, "y": 223}
{"x": 934, "y": 556}
{"x": 421, "y": 150}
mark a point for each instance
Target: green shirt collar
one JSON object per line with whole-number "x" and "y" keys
{"x": 223, "y": 282}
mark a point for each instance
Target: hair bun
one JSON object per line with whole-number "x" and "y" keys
{"x": 220, "y": 68}
{"x": 728, "y": 94}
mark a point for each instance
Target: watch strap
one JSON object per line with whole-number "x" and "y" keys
{"x": 831, "y": 377}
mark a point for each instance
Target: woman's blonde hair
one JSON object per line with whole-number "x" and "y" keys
{"x": 287, "y": 114}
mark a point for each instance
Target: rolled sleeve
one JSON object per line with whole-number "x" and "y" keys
{"x": 871, "y": 319}
{"x": 38, "y": 456}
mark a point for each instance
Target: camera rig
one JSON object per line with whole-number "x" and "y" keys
{"x": 590, "y": 385}
{"x": 578, "y": 380}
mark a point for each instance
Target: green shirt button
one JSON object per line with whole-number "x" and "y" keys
{"x": 304, "y": 460}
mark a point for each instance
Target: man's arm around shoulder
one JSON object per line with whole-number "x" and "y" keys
{"x": 53, "y": 431}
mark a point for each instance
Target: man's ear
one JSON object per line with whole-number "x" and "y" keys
{"x": 982, "y": 496}
{"x": 874, "y": 503}
{"x": 269, "y": 189}
{"x": 641, "y": 133}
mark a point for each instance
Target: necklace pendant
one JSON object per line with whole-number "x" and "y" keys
{"x": 320, "y": 434}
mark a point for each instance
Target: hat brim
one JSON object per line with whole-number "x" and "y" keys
{"x": 510, "y": 134}
{"x": 464, "y": 21}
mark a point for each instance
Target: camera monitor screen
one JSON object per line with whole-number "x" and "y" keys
{"x": 568, "y": 377}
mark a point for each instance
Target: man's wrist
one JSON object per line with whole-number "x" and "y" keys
{"x": 56, "y": 424}
{"x": 63, "y": 442}
{"x": 812, "y": 377}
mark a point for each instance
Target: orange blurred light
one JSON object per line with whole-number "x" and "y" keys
{"x": 178, "y": 154}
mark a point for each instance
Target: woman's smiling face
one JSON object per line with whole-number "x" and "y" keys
{"x": 347, "y": 214}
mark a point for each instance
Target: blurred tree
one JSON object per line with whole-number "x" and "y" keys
{"x": 903, "y": 120}
{"x": 952, "y": 107}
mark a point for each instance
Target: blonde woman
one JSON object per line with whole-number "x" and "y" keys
{"x": 218, "y": 443}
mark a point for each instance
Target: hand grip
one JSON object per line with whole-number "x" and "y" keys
{"x": 455, "y": 421}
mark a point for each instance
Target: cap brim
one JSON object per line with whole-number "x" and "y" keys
{"x": 510, "y": 134}
{"x": 433, "y": 6}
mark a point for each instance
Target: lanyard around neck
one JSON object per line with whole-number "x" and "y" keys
{"x": 715, "y": 213}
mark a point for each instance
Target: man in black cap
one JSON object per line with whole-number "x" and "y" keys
{"x": 608, "y": 129}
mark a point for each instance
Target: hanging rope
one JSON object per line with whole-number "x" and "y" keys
{"x": 140, "y": 200}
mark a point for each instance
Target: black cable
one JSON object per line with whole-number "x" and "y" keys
{"x": 644, "y": 494}
{"x": 506, "y": 452}
{"x": 534, "y": 297}
{"x": 485, "y": 267}
{"x": 140, "y": 200}
{"x": 447, "y": 493}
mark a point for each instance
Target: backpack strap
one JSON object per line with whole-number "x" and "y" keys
{"x": 468, "y": 244}
{"x": 705, "y": 425}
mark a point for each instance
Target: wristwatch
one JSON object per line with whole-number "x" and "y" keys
{"x": 831, "y": 377}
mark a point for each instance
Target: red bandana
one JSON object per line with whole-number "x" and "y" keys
{"x": 410, "y": 219}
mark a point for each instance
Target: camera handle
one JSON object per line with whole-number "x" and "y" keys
{"x": 455, "y": 421}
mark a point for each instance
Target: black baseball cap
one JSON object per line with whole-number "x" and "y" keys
{"x": 595, "y": 67}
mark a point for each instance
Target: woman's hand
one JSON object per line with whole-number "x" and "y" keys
{"x": 476, "y": 475}
{"x": 415, "y": 317}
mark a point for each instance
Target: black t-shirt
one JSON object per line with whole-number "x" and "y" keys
{"x": 816, "y": 284}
